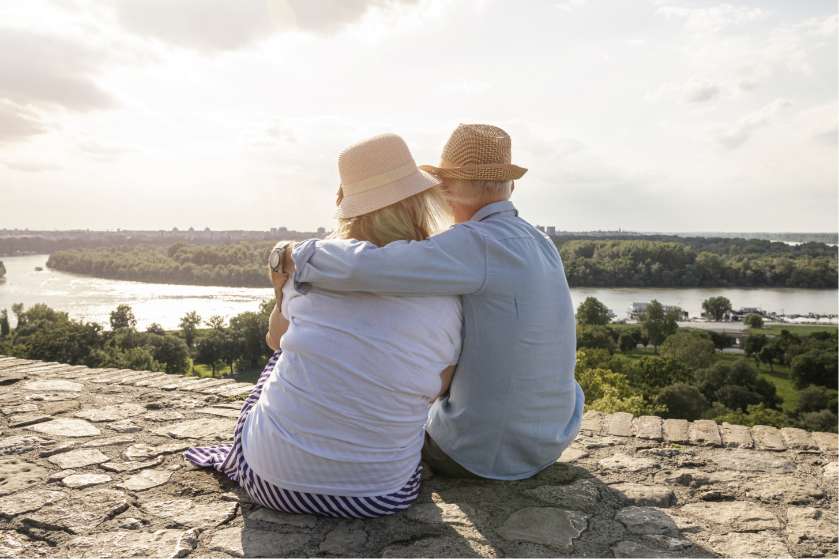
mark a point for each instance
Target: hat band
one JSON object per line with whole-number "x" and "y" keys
{"x": 379, "y": 180}
{"x": 451, "y": 166}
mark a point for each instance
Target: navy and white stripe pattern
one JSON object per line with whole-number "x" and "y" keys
{"x": 229, "y": 460}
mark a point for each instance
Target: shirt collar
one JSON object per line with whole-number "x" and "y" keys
{"x": 492, "y": 209}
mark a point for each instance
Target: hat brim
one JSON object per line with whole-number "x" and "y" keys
{"x": 385, "y": 195}
{"x": 501, "y": 172}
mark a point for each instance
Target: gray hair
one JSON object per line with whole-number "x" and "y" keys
{"x": 477, "y": 192}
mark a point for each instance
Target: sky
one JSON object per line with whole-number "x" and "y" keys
{"x": 650, "y": 115}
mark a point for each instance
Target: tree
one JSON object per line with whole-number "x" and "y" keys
{"x": 756, "y": 414}
{"x": 815, "y": 398}
{"x": 693, "y": 349}
{"x": 17, "y": 310}
{"x": 593, "y": 312}
{"x": 171, "y": 352}
{"x": 822, "y": 420}
{"x": 716, "y": 307}
{"x": 595, "y": 337}
{"x": 4, "y": 323}
{"x": 189, "y": 323}
{"x": 721, "y": 340}
{"x": 155, "y": 328}
{"x": 609, "y": 392}
{"x": 651, "y": 373}
{"x": 210, "y": 350}
{"x": 683, "y": 401}
{"x": 216, "y": 322}
{"x": 712, "y": 380}
{"x": 770, "y": 353}
{"x": 753, "y": 321}
{"x": 123, "y": 317}
{"x": 753, "y": 344}
{"x": 629, "y": 339}
{"x": 657, "y": 324}
{"x": 249, "y": 329}
{"x": 815, "y": 367}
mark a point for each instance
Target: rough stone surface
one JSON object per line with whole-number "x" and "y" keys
{"x": 79, "y": 481}
{"x": 105, "y": 477}
{"x": 146, "y": 479}
{"x": 640, "y": 494}
{"x": 17, "y": 474}
{"x": 54, "y": 385}
{"x": 553, "y": 527}
{"x": 66, "y": 427}
{"x": 78, "y": 458}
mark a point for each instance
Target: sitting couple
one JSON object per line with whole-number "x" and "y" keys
{"x": 401, "y": 344}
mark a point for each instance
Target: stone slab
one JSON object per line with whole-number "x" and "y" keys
{"x": 798, "y": 439}
{"x": 648, "y": 427}
{"x": 124, "y": 543}
{"x": 675, "y": 430}
{"x": 827, "y": 442}
{"x": 592, "y": 422}
{"x": 187, "y": 512}
{"x": 208, "y": 429}
{"x": 66, "y": 427}
{"x": 645, "y": 495}
{"x": 704, "y": 432}
{"x": 768, "y": 438}
{"x": 619, "y": 424}
{"x": 18, "y": 473}
{"x": 78, "y": 458}
{"x": 250, "y": 542}
{"x": 146, "y": 479}
{"x": 53, "y": 385}
{"x": 736, "y": 436}
{"x": 27, "y": 501}
{"x": 79, "y": 481}
{"x": 555, "y": 528}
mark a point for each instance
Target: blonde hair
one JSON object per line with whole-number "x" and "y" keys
{"x": 412, "y": 219}
{"x": 480, "y": 192}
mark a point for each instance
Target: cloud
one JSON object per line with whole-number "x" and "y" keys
{"x": 738, "y": 133}
{"x": 17, "y": 123}
{"x": 702, "y": 92}
{"x": 711, "y": 19}
{"x": 828, "y": 137}
{"x": 102, "y": 152}
{"x": 48, "y": 69}
{"x": 220, "y": 25}
{"x": 31, "y": 166}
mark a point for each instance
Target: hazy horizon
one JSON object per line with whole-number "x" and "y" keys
{"x": 654, "y": 116}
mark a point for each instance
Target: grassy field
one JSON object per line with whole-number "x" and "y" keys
{"x": 797, "y": 329}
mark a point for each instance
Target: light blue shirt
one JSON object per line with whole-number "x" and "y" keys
{"x": 514, "y": 404}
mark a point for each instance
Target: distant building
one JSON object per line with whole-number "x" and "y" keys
{"x": 551, "y": 231}
{"x": 540, "y": 228}
{"x": 741, "y": 313}
{"x": 321, "y": 231}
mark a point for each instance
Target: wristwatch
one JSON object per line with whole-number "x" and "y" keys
{"x": 276, "y": 259}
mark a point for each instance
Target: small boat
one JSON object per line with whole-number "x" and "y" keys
{"x": 39, "y": 269}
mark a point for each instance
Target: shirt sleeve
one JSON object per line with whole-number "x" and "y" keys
{"x": 451, "y": 263}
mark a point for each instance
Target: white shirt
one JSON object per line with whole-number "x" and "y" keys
{"x": 344, "y": 410}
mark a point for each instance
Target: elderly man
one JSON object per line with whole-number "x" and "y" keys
{"x": 514, "y": 404}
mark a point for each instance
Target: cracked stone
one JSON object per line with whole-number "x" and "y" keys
{"x": 124, "y": 426}
{"x": 163, "y": 415}
{"x": 187, "y": 512}
{"x": 750, "y": 460}
{"x": 142, "y": 451}
{"x": 146, "y": 480}
{"x": 55, "y": 385}
{"x": 830, "y": 471}
{"x": 78, "y": 481}
{"x": 250, "y": 542}
{"x": 282, "y": 518}
{"x": 78, "y": 458}
{"x": 649, "y": 495}
{"x": 439, "y": 513}
{"x": 221, "y": 412}
{"x": 346, "y": 539}
{"x": 553, "y": 527}
{"x": 66, "y": 427}
{"x": 583, "y": 494}
{"x": 646, "y": 520}
{"x": 17, "y": 474}
{"x": 441, "y": 546}
{"x": 732, "y": 516}
{"x": 749, "y": 544}
{"x": 132, "y": 466}
{"x": 812, "y": 529}
{"x": 27, "y": 501}
{"x": 199, "y": 429}
{"x": 18, "y": 444}
{"x": 131, "y": 523}
{"x": 620, "y": 461}
{"x": 59, "y": 475}
{"x": 786, "y": 489}
{"x": 635, "y": 549}
{"x": 81, "y": 513}
{"x": 572, "y": 454}
{"x": 162, "y": 543}
{"x": 24, "y": 419}
{"x": 20, "y": 408}
{"x": 109, "y": 441}
{"x": 111, "y": 413}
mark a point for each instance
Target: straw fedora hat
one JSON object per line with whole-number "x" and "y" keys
{"x": 477, "y": 152}
{"x": 376, "y": 173}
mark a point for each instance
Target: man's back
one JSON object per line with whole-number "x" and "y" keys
{"x": 514, "y": 404}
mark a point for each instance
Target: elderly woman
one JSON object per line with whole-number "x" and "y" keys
{"x": 335, "y": 424}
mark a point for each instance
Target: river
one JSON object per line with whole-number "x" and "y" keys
{"x": 93, "y": 298}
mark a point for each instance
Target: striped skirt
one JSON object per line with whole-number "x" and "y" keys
{"x": 229, "y": 460}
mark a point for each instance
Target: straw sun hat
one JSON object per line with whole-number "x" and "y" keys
{"x": 376, "y": 173}
{"x": 477, "y": 152}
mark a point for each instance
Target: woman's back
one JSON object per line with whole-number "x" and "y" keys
{"x": 344, "y": 411}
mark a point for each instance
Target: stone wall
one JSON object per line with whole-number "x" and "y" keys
{"x": 91, "y": 465}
